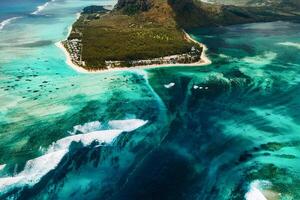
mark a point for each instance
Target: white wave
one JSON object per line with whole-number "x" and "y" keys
{"x": 264, "y": 59}
{"x": 223, "y": 56}
{"x": 36, "y": 168}
{"x": 216, "y": 76}
{"x": 2, "y": 167}
{"x": 41, "y": 8}
{"x": 8, "y": 182}
{"x": 290, "y": 44}
{"x": 105, "y": 136}
{"x": 7, "y": 21}
{"x": 87, "y": 127}
{"x": 207, "y": 1}
{"x": 255, "y": 190}
{"x": 127, "y": 125}
{"x": 169, "y": 85}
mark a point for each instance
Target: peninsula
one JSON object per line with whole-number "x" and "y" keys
{"x": 143, "y": 33}
{"x": 140, "y": 34}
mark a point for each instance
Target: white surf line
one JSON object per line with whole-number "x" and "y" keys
{"x": 7, "y": 21}
{"x": 127, "y": 125}
{"x": 290, "y": 44}
{"x": 37, "y": 168}
{"x": 255, "y": 190}
{"x": 78, "y": 15}
{"x": 86, "y": 128}
{"x": 2, "y": 167}
{"x": 41, "y": 8}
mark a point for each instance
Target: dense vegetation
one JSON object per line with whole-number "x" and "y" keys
{"x": 143, "y": 29}
{"x": 119, "y": 36}
{"x": 94, "y": 9}
{"x": 133, "y": 43}
{"x": 201, "y": 14}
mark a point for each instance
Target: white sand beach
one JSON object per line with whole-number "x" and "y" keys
{"x": 69, "y": 59}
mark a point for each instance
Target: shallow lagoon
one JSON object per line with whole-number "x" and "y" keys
{"x": 224, "y": 131}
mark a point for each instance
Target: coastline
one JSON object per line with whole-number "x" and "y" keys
{"x": 68, "y": 60}
{"x": 204, "y": 60}
{"x": 78, "y": 15}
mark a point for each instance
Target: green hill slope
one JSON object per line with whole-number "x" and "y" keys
{"x": 148, "y": 29}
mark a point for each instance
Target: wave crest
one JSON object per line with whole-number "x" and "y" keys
{"x": 41, "y": 8}
{"x": 256, "y": 190}
{"x": 86, "y": 128}
{"x": 37, "y": 168}
{"x": 290, "y": 44}
{"x": 7, "y": 21}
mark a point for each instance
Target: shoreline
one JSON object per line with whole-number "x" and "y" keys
{"x": 204, "y": 60}
{"x": 203, "y": 56}
{"x": 68, "y": 60}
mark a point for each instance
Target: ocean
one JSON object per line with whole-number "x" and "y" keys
{"x": 229, "y": 130}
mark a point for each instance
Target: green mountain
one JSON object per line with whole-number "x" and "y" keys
{"x": 284, "y": 3}
{"x": 138, "y": 30}
{"x": 196, "y": 13}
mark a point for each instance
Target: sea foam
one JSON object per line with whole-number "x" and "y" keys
{"x": 36, "y": 168}
{"x": 7, "y": 21}
{"x": 127, "y": 125}
{"x": 87, "y": 127}
{"x": 105, "y": 136}
{"x": 41, "y": 8}
{"x": 263, "y": 59}
{"x": 290, "y": 44}
{"x": 255, "y": 190}
{"x": 2, "y": 167}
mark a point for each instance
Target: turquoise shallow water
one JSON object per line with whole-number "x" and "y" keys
{"x": 225, "y": 131}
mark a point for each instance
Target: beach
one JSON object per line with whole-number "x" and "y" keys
{"x": 69, "y": 62}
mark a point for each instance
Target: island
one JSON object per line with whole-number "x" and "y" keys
{"x": 131, "y": 35}
{"x": 145, "y": 33}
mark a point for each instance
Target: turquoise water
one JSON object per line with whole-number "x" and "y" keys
{"x": 229, "y": 130}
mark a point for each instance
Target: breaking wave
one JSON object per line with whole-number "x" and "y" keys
{"x": 34, "y": 170}
{"x": 290, "y": 44}
{"x": 86, "y": 128}
{"x": 2, "y": 167}
{"x": 7, "y": 21}
{"x": 127, "y": 125}
{"x": 263, "y": 59}
{"x": 37, "y": 168}
{"x": 41, "y": 8}
{"x": 256, "y": 190}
